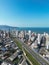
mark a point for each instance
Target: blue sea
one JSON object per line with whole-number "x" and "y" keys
{"x": 33, "y": 29}
{"x": 37, "y": 30}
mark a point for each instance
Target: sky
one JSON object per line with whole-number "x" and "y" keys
{"x": 24, "y": 13}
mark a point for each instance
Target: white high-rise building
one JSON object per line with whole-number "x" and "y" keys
{"x": 39, "y": 38}
{"x": 17, "y": 33}
{"x": 29, "y": 33}
{"x": 47, "y": 41}
{"x": 21, "y": 34}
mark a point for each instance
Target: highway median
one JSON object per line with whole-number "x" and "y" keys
{"x": 32, "y": 59}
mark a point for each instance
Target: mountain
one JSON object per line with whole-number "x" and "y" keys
{"x": 6, "y": 27}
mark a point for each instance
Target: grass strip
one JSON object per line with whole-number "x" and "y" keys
{"x": 34, "y": 62}
{"x": 28, "y": 55}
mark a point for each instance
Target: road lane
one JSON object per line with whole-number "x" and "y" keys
{"x": 37, "y": 57}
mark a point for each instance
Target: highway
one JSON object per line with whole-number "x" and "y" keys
{"x": 36, "y": 56}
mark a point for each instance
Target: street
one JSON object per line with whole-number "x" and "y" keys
{"x": 37, "y": 57}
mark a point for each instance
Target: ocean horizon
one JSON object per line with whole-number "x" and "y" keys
{"x": 33, "y": 29}
{"x": 36, "y": 29}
